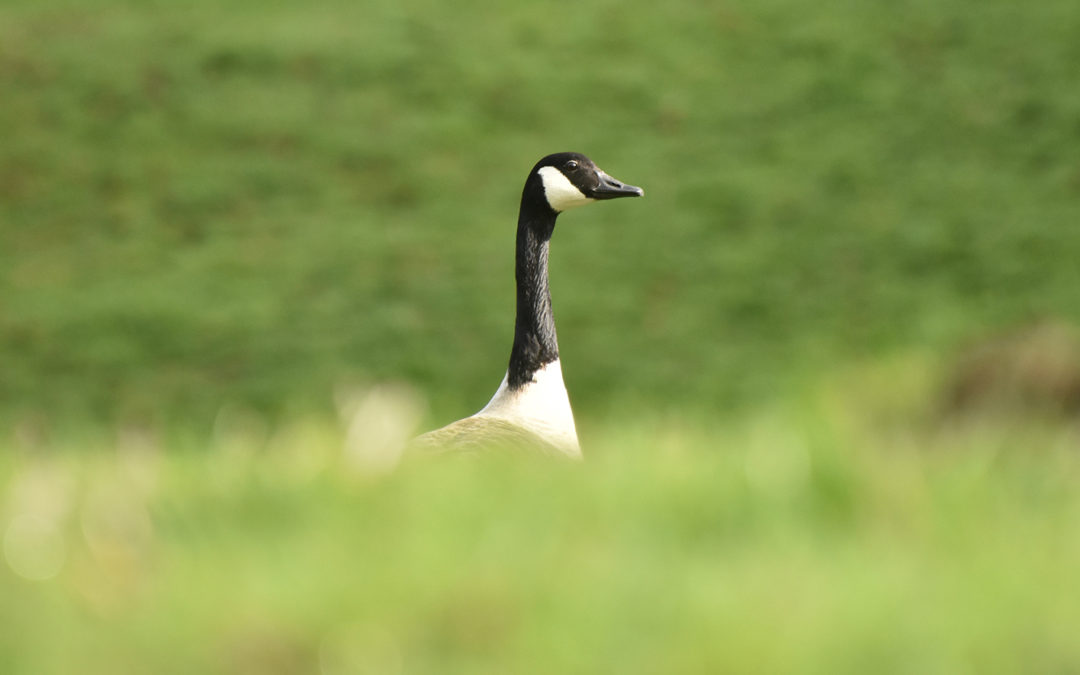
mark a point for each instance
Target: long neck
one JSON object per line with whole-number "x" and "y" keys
{"x": 535, "y": 343}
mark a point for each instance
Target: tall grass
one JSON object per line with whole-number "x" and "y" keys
{"x": 814, "y": 537}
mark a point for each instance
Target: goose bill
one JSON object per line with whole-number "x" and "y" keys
{"x": 611, "y": 188}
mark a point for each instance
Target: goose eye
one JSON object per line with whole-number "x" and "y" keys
{"x": 572, "y": 164}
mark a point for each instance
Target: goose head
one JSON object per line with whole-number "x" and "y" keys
{"x": 569, "y": 179}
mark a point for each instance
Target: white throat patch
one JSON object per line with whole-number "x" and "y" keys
{"x": 560, "y": 192}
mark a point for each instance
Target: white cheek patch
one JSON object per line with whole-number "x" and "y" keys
{"x": 560, "y": 192}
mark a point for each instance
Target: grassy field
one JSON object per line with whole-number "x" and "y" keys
{"x": 250, "y": 203}
{"x": 802, "y": 540}
{"x": 218, "y": 220}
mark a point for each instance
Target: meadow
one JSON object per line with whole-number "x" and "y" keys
{"x": 223, "y": 223}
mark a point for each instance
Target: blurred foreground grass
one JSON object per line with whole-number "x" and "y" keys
{"x": 823, "y": 536}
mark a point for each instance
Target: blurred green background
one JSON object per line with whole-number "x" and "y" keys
{"x": 251, "y": 202}
{"x": 216, "y": 216}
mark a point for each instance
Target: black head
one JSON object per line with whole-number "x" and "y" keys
{"x": 569, "y": 179}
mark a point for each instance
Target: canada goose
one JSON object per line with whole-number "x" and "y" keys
{"x": 531, "y": 406}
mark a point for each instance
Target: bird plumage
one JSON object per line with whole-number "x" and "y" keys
{"x": 531, "y": 407}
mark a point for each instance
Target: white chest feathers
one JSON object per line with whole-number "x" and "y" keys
{"x": 560, "y": 192}
{"x": 541, "y": 406}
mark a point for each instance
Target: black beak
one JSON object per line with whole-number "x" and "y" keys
{"x": 609, "y": 188}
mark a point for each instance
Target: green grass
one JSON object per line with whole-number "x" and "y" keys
{"x": 218, "y": 220}
{"x": 250, "y": 203}
{"x": 803, "y": 539}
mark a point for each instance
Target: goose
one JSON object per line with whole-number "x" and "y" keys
{"x": 531, "y": 407}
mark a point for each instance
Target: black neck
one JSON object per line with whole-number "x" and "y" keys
{"x": 535, "y": 343}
